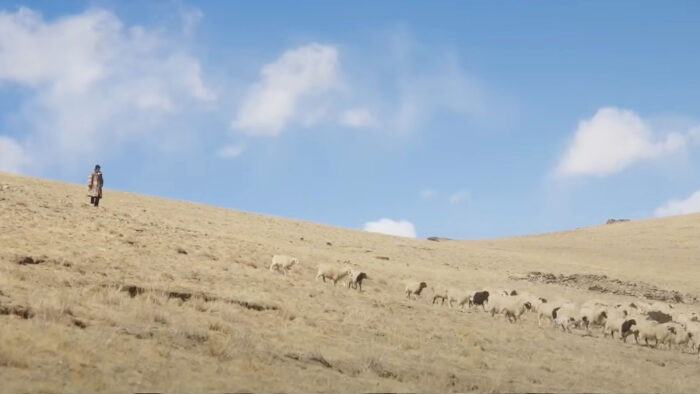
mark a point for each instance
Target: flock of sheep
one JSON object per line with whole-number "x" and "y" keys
{"x": 644, "y": 321}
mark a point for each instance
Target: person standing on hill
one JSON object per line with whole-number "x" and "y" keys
{"x": 95, "y": 182}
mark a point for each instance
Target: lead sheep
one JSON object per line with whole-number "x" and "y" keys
{"x": 414, "y": 288}
{"x": 356, "y": 278}
{"x": 333, "y": 272}
{"x": 283, "y": 263}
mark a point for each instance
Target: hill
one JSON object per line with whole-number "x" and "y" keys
{"x": 151, "y": 294}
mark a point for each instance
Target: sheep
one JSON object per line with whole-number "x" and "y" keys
{"x": 616, "y": 318}
{"x": 590, "y": 315}
{"x": 414, "y": 288}
{"x": 465, "y": 298}
{"x": 564, "y": 316}
{"x": 511, "y": 306}
{"x": 356, "y": 278}
{"x": 534, "y": 300}
{"x": 564, "y": 320}
{"x": 659, "y": 332}
{"x": 481, "y": 298}
{"x": 283, "y": 263}
{"x": 683, "y": 337}
{"x": 694, "y": 333}
{"x": 333, "y": 272}
{"x": 440, "y": 293}
{"x": 549, "y": 310}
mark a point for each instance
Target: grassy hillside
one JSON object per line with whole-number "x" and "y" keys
{"x": 151, "y": 294}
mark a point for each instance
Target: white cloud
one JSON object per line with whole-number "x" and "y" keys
{"x": 230, "y": 151}
{"x": 612, "y": 140}
{"x": 357, "y": 117}
{"x": 12, "y": 156}
{"x": 680, "y": 207}
{"x": 94, "y": 82}
{"x": 459, "y": 196}
{"x": 297, "y": 75}
{"x": 402, "y": 228}
{"x": 427, "y": 193}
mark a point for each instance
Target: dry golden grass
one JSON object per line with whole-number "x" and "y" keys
{"x": 150, "y": 294}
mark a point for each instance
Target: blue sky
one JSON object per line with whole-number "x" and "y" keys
{"x": 451, "y": 118}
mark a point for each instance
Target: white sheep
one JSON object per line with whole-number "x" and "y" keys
{"x": 548, "y": 310}
{"x": 466, "y": 297}
{"x": 447, "y": 294}
{"x": 283, "y": 263}
{"x": 590, "y": 315}
{"x": 440, "y": 293}
{"x": 535, "y": 301}
{"x": 683, "y": 337}
{"x": 694, "y": 333}
{"x": 616, "y": 319}
{"x": 565, "y": 321}
{"x": 414, "y": 287}
{"x": 333, "y": 272}
{"x": 356, "y": 278}
{"x": 659, "y": 332}
{"x": 511, "y": 306}
{"x": 564, "y": 316}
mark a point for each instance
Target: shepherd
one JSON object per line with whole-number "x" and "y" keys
{"x": 95, "y": 182}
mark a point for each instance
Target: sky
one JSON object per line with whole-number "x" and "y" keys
{"x": 455, "y": 119}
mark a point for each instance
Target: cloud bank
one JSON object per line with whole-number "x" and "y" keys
{"x": 402, "y": 228}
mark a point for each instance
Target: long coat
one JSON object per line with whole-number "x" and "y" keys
{"x": 95, "y": 183}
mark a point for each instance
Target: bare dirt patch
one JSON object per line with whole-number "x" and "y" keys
{"x": 604, "y": 284}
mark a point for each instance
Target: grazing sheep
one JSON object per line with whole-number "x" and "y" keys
{"x": 414, "y": 288}
{"x": 481, "y": 298}
{"x": 333, "y": 272}
{"x": 511, "y": 306}
{"x": 283, "y": 263}
{"x": 356, "y": 278}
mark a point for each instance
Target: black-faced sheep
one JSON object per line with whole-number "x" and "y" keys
{"x": 356, "y": 278}
{"x": 414, "y": 288}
